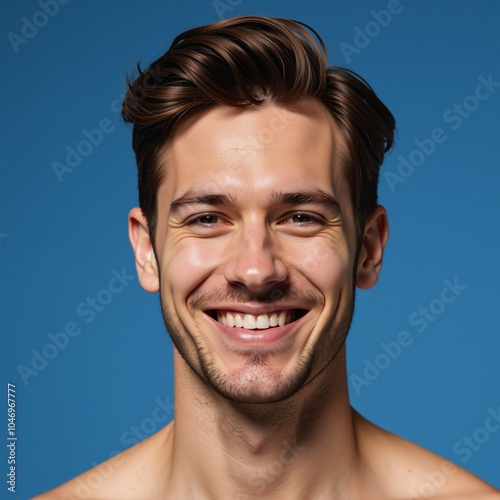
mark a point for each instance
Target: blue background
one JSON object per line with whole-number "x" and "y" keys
{"x": 61, "y": 239}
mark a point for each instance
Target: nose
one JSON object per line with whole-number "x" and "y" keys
{"x": 254, "y": 261}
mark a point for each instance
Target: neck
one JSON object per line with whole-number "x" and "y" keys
{"x": 264, "y": 450}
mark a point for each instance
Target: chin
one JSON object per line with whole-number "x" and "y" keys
{"x": 257, "y": 382}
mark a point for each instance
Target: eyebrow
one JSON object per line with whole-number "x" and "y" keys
{"x": 312, "y": 196}
{"x": 205, "y": 199}
{"x": 277, "y": 198}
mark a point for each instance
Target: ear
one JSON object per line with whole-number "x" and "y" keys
{"x": 145, "y": 260}
{"x": 372, "y": 248}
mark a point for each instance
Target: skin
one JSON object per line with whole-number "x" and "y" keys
{"x": 265, "y": 415}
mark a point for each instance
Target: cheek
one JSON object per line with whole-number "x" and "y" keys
{"x": 325, "y": 263}
{"x": 188, "y": 263}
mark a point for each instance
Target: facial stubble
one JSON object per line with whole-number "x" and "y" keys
{"x": 257, "y": 370}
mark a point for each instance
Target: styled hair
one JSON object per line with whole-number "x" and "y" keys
{"x": 250, "y": 61}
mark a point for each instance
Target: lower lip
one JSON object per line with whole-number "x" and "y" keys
{"x": 256, "y": 338}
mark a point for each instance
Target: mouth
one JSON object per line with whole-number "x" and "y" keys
{"x": 238, "y": 319}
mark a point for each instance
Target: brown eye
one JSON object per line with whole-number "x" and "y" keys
{"x": 207, "y": 219}
{"x": 301, "y": 218}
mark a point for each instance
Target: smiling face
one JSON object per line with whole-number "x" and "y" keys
{"x": 256, "y": 248}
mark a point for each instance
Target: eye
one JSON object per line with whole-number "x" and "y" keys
{"x": 206, "y": 221}
{"x": 301, "y": 219}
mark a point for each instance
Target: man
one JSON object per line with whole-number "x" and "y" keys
{"x": 258, "y": 169}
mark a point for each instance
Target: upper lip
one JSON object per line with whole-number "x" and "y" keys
{"x": 255, "y": 309}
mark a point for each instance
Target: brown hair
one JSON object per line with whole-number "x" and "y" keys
{"x": 249, "y": 61}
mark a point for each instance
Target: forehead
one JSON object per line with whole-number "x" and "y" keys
{"x": 253, "y": 150}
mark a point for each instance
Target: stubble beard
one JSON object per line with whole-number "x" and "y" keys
{"x": 256, "y": 382}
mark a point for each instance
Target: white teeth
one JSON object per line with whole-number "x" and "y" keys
{"x": 262, "y": 321}
{"x": 249, "y": 322}
{"x": 273, "y": 320}
{"x": 252, "y": 322}
{"x": 238, "y": 321}
{"x": 282, "y": 318}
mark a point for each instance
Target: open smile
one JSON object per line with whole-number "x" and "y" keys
{"x": 264, "y": 321}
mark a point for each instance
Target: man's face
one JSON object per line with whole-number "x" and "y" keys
{"x": 256, "y": 246}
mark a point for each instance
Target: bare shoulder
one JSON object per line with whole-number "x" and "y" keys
{"x": 135, "y": 473}
{"x": 412, "y": 472}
